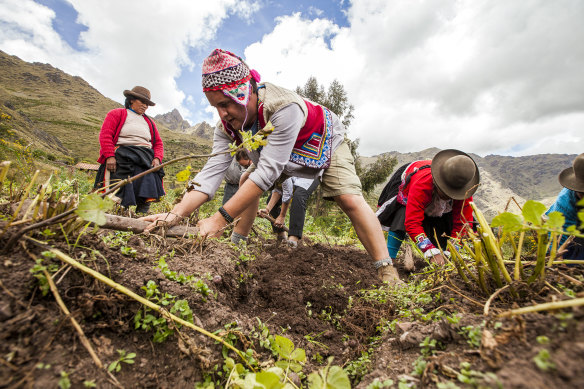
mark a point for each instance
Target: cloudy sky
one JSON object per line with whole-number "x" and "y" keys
{"x": 483, "y": 76}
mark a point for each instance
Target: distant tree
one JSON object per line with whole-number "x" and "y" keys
{"x": 312, "y": 91}
{"x": 338, "y": 102}
{"x": 334, "y": 99}
{"x": 377, "y": 172}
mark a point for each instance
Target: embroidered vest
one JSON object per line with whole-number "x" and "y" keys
{"x": 313, "y": 146}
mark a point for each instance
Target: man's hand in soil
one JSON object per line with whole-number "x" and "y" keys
{"x": 161, "y": 219}
{"x": 212, "y": 227}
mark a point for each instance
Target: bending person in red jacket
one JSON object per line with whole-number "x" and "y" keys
{"x": 427, "y": 199}
{"x": 130, "y": 144}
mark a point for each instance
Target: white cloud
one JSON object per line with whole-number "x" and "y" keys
{"x": 483, "y": 76}
{"x": 137, "y": 42}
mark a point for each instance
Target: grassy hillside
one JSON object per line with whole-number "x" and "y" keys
{"x": 59, "y": 115}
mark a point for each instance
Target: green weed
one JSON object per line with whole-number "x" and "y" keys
{"x": 124, "y": 357}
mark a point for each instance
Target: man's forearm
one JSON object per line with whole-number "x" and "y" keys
{"x": 190, "y": 202}
{"x": 273, "y": 200}
{"x": 243, "y": 198}
{"x": 284, "y": 210}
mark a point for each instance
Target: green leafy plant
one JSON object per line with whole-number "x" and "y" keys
{"x": 359, "y": 367}
{"x": 329, "y": 377}
{"x": 64, "y": 381}
{"x": 146, "y": 320}
{"x": 378, "y": 384}
{"x": 128, "y": 251}
{"x": 93, "y": 208}
{"x": 124, "y": 357}
{"x": 476, "y": 378}
{"x": 472, "y": 334}
{"x": 262, "y": 334}
{"x": 196, "y": 283}
{"x": 428, "y": 346}
{"x": 38, "y": 271}
{"x": 289, "y": 358}
{"x": 543, "y": 360}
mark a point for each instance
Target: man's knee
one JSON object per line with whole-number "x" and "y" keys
{"x": 350, "y": 202}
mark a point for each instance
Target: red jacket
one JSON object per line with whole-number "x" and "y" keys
{"x": 110, "y": 132}
{"x": 418, "y": 193}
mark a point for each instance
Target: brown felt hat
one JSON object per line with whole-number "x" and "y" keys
{"x": 455, "y": 173}
{"x": 573, "y": 177}
{"x": 141, "y": 93}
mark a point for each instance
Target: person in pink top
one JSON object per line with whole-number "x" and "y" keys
{"x": 130, "y": 144}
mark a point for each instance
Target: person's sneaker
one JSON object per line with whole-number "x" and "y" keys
{"x": 292, "y": 244}
{"x": 389, "y": 274}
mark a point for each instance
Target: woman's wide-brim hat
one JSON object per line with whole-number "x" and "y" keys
{"x": 455, "y": 173}
{"x": 573, "y": 177}
{"x": 141, "y": 93}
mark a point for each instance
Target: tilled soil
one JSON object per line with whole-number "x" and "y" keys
{"x": 312, "y": 295}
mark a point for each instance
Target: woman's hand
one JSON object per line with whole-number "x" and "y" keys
{"x": 110, "y": 164}
{"x": 155, "y": 162}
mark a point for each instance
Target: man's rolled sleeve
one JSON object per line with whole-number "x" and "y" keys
{"x": 210, "y": 177}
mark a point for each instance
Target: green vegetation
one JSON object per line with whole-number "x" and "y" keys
{"x": 146, "y": 320}
{"x": 123, "y": 357}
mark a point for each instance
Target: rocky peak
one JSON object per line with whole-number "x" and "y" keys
{"x": 173, "y": 120}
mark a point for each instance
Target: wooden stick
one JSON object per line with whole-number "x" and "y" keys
{"x": 272, "y": 220}
{"x": 120, "y": 223}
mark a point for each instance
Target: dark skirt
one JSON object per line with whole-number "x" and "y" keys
{"x": 131, "y": 161}
{"x": 575, "y": 250}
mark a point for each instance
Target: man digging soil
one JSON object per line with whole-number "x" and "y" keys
{"x": 307, "y": 141}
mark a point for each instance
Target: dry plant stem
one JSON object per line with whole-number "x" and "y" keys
{"x": 569, "y": 278}
{"x": 491, "y": 242}
{"x": 19, "y": 234}
{"x": 122, "y": 289}
{"x": 462, "y": 295}
{"x": 24, "y": 196}
{"x": 4, "y": 166}
{"x": 84, "y": 341}
{"x": 458, "y": 263}
{"x": 570, "y": 262}
{"x": 517, "y": 269}
{"x": 545, "y": 307}
{"x": 486, "y": 310}
{"x": 553, "y": 288}
{"x": 540, "y": 263}
{"x": 553, "y": 249}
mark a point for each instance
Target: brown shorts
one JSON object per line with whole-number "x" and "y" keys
{"x": 340, "y": 177}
